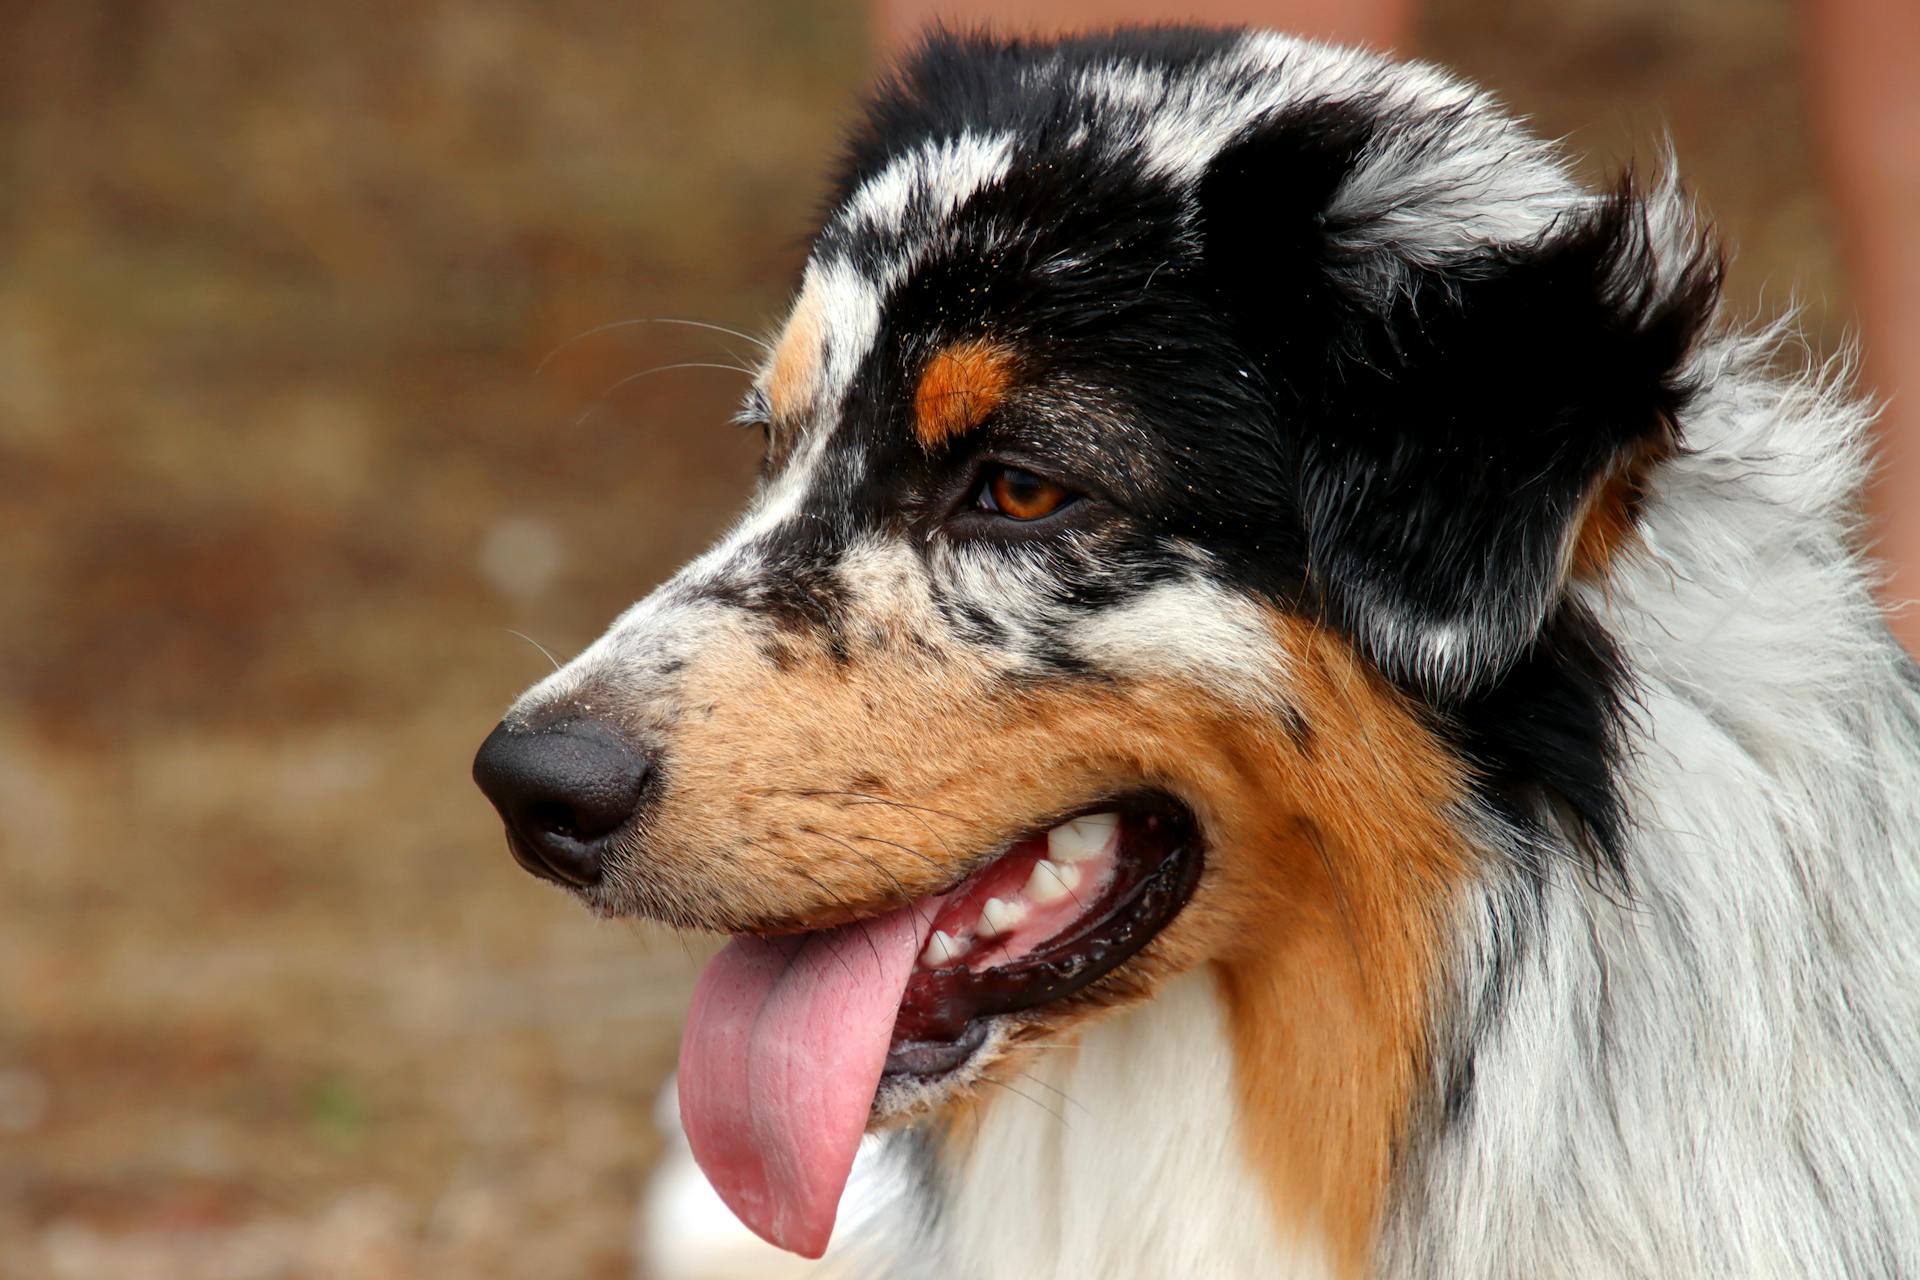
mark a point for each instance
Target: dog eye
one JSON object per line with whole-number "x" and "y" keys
{"x": 1021, "y": 495}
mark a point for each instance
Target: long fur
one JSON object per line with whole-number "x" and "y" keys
{"x": 1710, "y": 1068}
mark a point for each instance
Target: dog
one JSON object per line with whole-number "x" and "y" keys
{"x": 1291, "y": 701}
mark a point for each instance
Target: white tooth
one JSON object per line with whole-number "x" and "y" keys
{"x": 1082, "y": 838}
{"x": 942, "y": 950}
{"x": 1051, "y": 882}
{"x": 999, "y": 916}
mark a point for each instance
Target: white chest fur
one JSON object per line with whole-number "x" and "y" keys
{"x": 1124, "y": 1158}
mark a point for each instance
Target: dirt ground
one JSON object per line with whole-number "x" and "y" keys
{"x": 306, "y": 418}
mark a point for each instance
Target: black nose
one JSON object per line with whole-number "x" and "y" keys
{"x": 563, "y": 792}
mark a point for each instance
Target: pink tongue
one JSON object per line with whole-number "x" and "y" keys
{"x": 778, "y": 1066}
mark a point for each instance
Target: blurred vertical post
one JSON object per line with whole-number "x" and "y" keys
{"x": 1865, "y": 57}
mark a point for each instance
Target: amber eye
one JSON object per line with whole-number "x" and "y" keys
{"x": 1021, "y": 495}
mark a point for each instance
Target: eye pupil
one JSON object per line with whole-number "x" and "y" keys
{"x": 1022, "y": 495}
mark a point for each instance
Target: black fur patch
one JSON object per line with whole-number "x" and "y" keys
{"x": 1445, "y": 443}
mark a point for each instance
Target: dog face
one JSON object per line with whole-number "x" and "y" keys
{"x": 1178, "y": 456}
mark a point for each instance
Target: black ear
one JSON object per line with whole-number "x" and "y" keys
{"x": 1450, "y": 415}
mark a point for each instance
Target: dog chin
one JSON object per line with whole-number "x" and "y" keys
{"x": 910, "y": 1088}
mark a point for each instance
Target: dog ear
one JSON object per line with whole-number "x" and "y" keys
{"x": 1461, "y": 423}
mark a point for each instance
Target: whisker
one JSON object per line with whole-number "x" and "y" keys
{"x": 1062, "y": 1094}
{"x": 659, "y": 368}
{"x": 867, "y": 797}
{"x": 861, "y": 797}
{"x": 904, "y": 848}
{"x": 906, "y": 899}
{"x": 545, "y": 652}
{"x": 1001, "y": 1084}
{"x": 814, "y": 793}
{"x": 843, "y": 904}
{"x": 625, "y": 324}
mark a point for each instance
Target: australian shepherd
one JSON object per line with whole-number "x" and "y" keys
{"x": 1289, "y": 702}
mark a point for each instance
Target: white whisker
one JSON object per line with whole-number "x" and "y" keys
{"x": 545, "y": 652}
{"x": 627, "y": 324}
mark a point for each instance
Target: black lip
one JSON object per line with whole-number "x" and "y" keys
{"x": 533, "y": 864}
{"x": 945, "y": 1013}
{"x": 931, "y": 1059}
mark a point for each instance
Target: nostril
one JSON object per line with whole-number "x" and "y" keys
{"x": 557, "y": 818}
{"x": 562, "y": 792}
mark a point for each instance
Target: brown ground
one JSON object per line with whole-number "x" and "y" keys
{"x": 282, "y": 477}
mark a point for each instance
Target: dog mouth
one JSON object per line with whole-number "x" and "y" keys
{"x": 1055, "y": 913}
{"x": 797, "y": 1042}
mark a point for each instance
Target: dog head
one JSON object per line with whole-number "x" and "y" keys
{"x": 1180, "y": 456}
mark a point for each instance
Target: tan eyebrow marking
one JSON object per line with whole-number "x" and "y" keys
{"x": 1609, "y": 519}
{"x": 796, "y": 360}
{"x": 959, "y": 387}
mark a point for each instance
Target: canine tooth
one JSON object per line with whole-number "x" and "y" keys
{"x": 998, "y": 916}
{"x": 1082, "y": 838}
{"x": 1051, "y": 882}
{"x": 942, "y": 949}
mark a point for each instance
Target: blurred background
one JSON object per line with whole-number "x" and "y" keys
{"x": 309, "y": 413}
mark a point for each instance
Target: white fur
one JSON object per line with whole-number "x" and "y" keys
{"x": 1119, "y": 1158}
{"x": 929, "y": 182}
{"x": 1191, "y": 630}
{"x": 1755, "y": 1110}
{"x": 1490, "y": 183}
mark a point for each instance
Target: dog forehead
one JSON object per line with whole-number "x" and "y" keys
{"x": 970, "y": 149}
{"x": 961, "y": 189}
{"x": 895, "y": 218}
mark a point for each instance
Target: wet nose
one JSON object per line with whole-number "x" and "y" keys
{"x": 563, "y": 791}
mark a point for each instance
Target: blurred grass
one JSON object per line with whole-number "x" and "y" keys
{"x": 278, "y": 483}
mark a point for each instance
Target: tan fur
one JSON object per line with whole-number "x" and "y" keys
{"x": 958, "y": 388}
{"x": 816, "y": 788}
{"x": 795, "y": 368}
{"x": 1347, "y": 868}
{"x": 1608, "y": 521}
